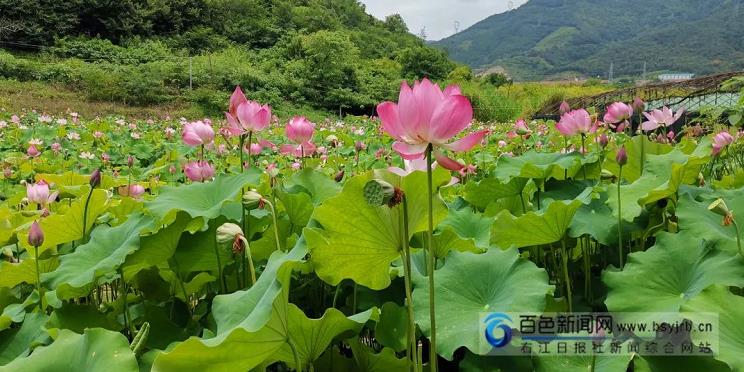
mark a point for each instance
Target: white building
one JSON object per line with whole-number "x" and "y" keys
{"x": 677, "y": 76}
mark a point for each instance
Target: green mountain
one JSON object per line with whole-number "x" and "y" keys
{"x": 326, "y": 54}
{"x": 564, "y": 38}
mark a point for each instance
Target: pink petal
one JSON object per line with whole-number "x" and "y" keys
{"x": 452, "y": 90}
{"x": 408, "y": 112}
{"x": 429, "y": 97}
{"x": 236, "y": 99}
{"x": 468, "y": 142}
{"x": 408, "y": 151}
{"x": 448, "y": 163}
{"x": 388, "y": 113}
{"x": 450, "y": 118}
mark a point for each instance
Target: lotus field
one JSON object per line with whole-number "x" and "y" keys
{"x": 375, "y": 244}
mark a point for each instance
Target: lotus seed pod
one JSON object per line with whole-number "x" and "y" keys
{"x": 227, "y": 233}
{"x": 378, "y": 192}
{"x": 252, "y": 199}
{"x": 719, "y": 207}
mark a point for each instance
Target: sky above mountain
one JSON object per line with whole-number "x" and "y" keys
{"x": 439, "y": 16}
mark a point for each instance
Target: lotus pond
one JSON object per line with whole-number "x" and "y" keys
{"x": 370, "y": 244}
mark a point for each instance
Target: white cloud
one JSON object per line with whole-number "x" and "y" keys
{"x": 439, "y": 16}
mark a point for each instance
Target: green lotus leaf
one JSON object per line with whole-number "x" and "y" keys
{"x": 95, "y": 350}
{"x": 471, "y": 284}
{"x": 17, "y": 343}
{"x": 583, "y": 363}
{"x": 319, "y": 186}
{"x": 678, "y": 363}
{"x": 392, "y": 329}
{"x": 157, "y": 248}
{"x": 251, "y": 324}
{"x": 359, "y": 241}
{"x": 730, "y": 309}
{"x": 196, "y": 253}
{"x": 481, "y": 363}
{"x": 483, "y": 193}
{"x": 632, "y": 170}
{"x": 534, "y": 228}
{"x": 695, "y": 218}
{"x": 367, "y": 361}
{"x": 200, "y": 199}
{"x": 299, "y": 206}
{"x": 99, "y": 258}
{"x": 311, "y": 337}
{"x": 77, "y": 318}
{"x": 64, "y": 228}
{"x": 541, "y": 165}
{"x": 596, "y": 220}
{"x": 469, "y": 225}
{"x": 662, "y": 177}
{"x": 669, "y": 274}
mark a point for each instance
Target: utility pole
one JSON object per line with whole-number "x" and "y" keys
{"x": 612, "y": 71}
{"x": 191, "y": 76}
{"x": 457, "y": 26}
{"x": 644, "y": 71}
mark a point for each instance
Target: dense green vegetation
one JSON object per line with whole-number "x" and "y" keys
{"x": 324, "y": 54}
{"x": 558, "y": 38}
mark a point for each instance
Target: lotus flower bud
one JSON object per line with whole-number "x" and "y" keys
{"x": 638, "y": 105}
{"x": 95, "y": 178}
{"x": 564, "y": 107}
{"x": 603, "y": 140}
{"x": 622, "y": 156}
{"x": 252, "y": 199}
{"x": 719, "y": 207}
{"x": 130, "y": 161}
{"x": 35, "y": 235}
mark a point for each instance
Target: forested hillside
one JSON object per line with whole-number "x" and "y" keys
{"x": 561, "y": 38}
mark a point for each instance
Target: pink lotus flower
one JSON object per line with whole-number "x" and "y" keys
{"x": 564, "y": 108}
{"x": 576, "y": 122}
{"x": 15, "y": 119}
{"x": 98, "y": 134}
{"x": 638, "y": 105}
{"x": 300, "y": 131}
{"x": 197, "y": 133}
{"x": 296, "y": 165}
{"x": 661, "y": 118}
{"x": 39, "y": 193}
{"x": 56, "y": 147}
{"x": 198, "y": 171}
{"x": 618, "y": 112}
{"x": 246, "y": 116}
{"x": 33, "y": 151}
{"x": 521, "y": 128}
{"x": 256, "y": 148}
{"x": 134, "y": 191}
{"x": 720, "y": 141}
{"x": 425, "y": 116}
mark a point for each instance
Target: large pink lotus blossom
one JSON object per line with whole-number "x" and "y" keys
{"x": 300, "y": 131}
{"x": 661, "y": 118}
{"x": 720, "y": 141}
{"x": 246, "y": 116}
{"x": 197, "y": 133}
{"x": 198, "y": 171}
{"x": 618, "y": 112}
{"x": 39, "y": 193}
{"x": 427, "y": 116}
{"x": 576, "y": 122}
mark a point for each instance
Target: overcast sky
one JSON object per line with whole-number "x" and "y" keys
{"x": 439, "y": 16}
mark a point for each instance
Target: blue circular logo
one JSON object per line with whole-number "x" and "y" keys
{"x": 498, "y": 321}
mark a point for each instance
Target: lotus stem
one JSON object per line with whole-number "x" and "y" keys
{"x": 432, "y": 262}
{"x": 219, "y": 264}
{"x": 619, "y": 218}
{"x": 38, "y": 279}
{"x": 251, "y": 268}
{"x": 738, "y": 236}
{"x": 564, "y": 256}
{"x": 276, "y": 227}
{"x": 583, "y": 150}
{"x": 298, "y": 363}
{"x": 85, "y": 215}
{"x": 413, "y": 361}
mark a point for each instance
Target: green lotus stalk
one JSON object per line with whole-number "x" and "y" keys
{"x": 432, "y": 261}
{"x": 566, "y": 277}
{"x": 95, "y": 180}
{"x": 296, "y": 355}
{"x": 719, "y": 207}
{"x": 36, "y": 239}
{"x": 621, "y": 158}
{"x": 583, "y": 151}
{"x": 219, "y": 264}
{"x": 124, "y": 290}
{"x": 409, "y": 296}
{"x": 276, "y": 226}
